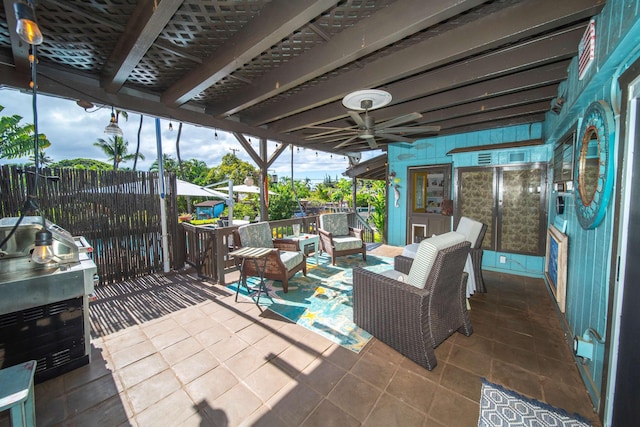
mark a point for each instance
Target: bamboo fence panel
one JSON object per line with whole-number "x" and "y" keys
{"x": 117, "y": 212}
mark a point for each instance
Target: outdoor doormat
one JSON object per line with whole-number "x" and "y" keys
{"x": 322, "y": 301}
{"x": 503, "y": 407}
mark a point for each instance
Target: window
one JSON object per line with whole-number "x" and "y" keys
{"x": 563, "y": 158}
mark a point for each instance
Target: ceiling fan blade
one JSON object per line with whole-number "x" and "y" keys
{"x": 399, "y": 120}
{"x": 371, "y": 140}
{"x": 410, "y": 129}
{"x": 346, "y": 142}
{"x": 323, "y": 135}
{"x": 396, "y": 138}
{"x": 356, "y": 118}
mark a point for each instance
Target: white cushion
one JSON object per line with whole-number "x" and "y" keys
{"x": 345, "y": 243}
{"x": 470, "y": 228}
{"x": 335, "y": 223}
{"x": 411, "y": 250}
{"x": 426, "y": 256}
{"x": 290, "y": 259}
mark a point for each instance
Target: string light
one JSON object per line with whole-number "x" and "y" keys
{"x": 316, "y": 154}
{"x": 215, "y": 134}
{"x": 170, "y": 125}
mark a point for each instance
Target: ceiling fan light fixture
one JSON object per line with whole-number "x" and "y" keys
{"x": 366, "y": 99}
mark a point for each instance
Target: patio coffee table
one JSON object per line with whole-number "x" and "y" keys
{"x": 255, "y": 254}
{"x": 307, "y": 239}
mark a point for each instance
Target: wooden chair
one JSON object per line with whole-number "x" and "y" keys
{"x": 420, "y": 303}
{"x": 338, "y": 238}
{"x": 282, "y": 263}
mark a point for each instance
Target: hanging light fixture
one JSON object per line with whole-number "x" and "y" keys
{"x": 170, "y": 126}
{"x": 215, "y": 134}
{"x": 112, "y": 128}
{"x": 27, "y": 24}
{"x": 43, "y": 252}
{"x": 28, "y": 30}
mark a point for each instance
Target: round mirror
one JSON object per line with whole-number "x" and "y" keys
{"x": 593, "y": 168}
{"x": 589, "y": 165}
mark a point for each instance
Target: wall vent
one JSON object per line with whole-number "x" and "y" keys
{"x": 484, "y": 159}
{"x": 587, "y": 49}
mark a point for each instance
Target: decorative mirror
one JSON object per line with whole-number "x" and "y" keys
{"x": 593, "y": 168}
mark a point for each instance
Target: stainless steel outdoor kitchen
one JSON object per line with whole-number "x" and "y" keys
{"x": 44, "y": 304}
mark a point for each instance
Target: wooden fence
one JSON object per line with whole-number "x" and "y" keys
{"x": 207, "y": 248}
{"x": 117, "y": 212}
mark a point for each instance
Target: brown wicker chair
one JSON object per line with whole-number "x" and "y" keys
{"x": 412, "y": 320}
{"x": 282, "y": 263}
{"x": 337, "y": 238}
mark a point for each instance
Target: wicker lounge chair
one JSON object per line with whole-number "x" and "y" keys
{"x": 282, "y": 263}
{"x": 411, "y": 319}
{"x": 338, "y": 238}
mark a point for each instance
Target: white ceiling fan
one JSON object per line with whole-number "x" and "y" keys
{"x": 367, "y": 128}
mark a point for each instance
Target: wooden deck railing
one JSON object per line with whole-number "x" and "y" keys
{"x": 207, "y": 248}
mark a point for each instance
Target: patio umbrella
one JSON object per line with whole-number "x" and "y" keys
{"x": 185, "y": 188}
{"x": 242, "y": 188}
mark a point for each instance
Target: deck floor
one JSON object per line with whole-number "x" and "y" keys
{"x": 174, "y": 350}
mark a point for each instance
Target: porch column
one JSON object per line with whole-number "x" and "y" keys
{"x": 264, "y": 210}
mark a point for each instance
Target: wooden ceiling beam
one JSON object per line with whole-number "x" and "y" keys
{"x": 509, "y": 25}
{"x": 513, "y": 102}
{"x": 143, "y": 28}
{"x": 19, "y": 48}
{"x": 494, "y": 124}
{"x": 550, "y": 74}
{"x": 389, "y": 25}
{"x": 74, "y": 86}
{"x": 496, "y": 115}
{"x": 276, "y": 21}
{"x": 552, "y": 48}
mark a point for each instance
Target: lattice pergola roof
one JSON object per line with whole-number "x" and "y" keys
{"x": 279, "y": 69}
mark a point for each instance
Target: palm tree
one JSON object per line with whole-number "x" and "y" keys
{"x": 116, "y": 149}
{"x": 16, "y": 140}
{"x": 135, "y": 160}
{"x": 169, "y": 164}
{"x": 43, "y": 159}
{"x": 180, "y": 168}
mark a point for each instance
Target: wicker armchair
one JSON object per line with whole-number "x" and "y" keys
{"x": 338, "y": 239}
{"x": 474, "y": 232}
{"x": 410, "y": 319}
{"x": 282, "y": 263}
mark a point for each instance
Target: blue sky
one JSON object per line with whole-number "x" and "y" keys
{"x": 72, "y": 132}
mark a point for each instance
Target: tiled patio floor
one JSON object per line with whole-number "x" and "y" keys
{"x": 194, "y": 357}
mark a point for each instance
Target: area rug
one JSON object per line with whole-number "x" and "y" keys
{"x": 503, "y": 407}
{"x": 322, "y": 301}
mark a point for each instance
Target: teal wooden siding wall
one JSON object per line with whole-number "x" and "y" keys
{"x": 617, "y": 32}
{"x": 589, "y": 267}
{"x": 434, "y": 151}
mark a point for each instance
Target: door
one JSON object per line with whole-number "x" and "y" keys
{"x": 430, "y": 190}
{"x": 511, "y": 200}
